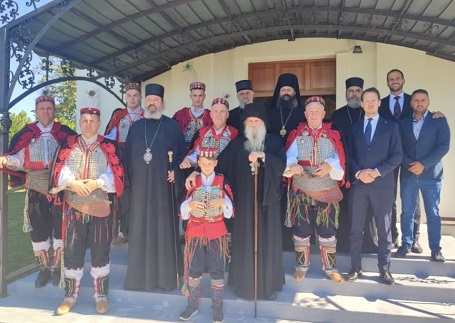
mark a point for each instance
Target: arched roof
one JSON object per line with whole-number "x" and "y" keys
{"x": 134, "y": 40}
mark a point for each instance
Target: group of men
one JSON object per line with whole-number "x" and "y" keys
{"x": 338, "y": 175}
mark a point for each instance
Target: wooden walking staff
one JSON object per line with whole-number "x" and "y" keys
{"x": 171, "y": 168}
{"x": 255, "y": 174}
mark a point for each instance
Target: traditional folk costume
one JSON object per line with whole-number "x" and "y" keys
{"x": 190, "y": 119}
{"x": 313, "y": 200}
{"x": 33, "y": 149}
{"x": 122, "y": 119}
{"x": 211, "y": 138}
{"x": 87, "y": 220}
{"x": 205, "y": 241}
{"x": 117, "y": 130}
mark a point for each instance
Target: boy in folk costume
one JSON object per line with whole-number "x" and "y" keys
{"x": 206, "y": 204}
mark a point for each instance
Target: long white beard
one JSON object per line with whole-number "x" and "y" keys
{"x": 256, "y": 139}
{"x": 153, "y": 115}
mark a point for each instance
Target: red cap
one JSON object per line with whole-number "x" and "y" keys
{"x": 133, "y": 86}
{"x": 220, "y": 101}
{"x": 197, "y": 86}
{"x": 312, "y": 99}
{"x": 42, "y": 98}
{"x": 91, "y": 111}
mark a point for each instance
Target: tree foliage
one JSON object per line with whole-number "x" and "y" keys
{"x": 18, "y": 122}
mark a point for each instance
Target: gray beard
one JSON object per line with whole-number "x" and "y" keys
{"x": 243, "y": 103}
{"x": 255, "y": 140}
{"x": 153, "y": 115}
{"x": 354, "y": 103}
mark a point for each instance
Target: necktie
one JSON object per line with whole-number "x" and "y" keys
{"x": 368, "y": 131}
{"x": 396, "y": 108}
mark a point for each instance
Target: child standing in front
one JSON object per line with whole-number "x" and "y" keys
{"x": 207, "y": 204}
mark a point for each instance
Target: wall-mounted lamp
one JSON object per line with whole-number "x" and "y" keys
{"x": 357, "y": 49}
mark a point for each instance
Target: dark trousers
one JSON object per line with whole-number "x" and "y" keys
{"x": 370, "y": 236}
{"x": 380, "y": 199}
{"x": 209, "y": 255}
{"x": 45, "y": 217}
{"x": 304, "y": 228}
{"x": 85, "y": 231}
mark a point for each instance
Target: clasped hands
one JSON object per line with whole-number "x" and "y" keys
{"x": 200, "y": 206}
{"x": 83, "y": 187}
{"x": 368, "y": 175}
{"x": 322, "y": 170}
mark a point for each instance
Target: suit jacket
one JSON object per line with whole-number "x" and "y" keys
{"x": 432, "y": 145}
{"x": 384, "y": 152}
{"x": 384, "y": 109}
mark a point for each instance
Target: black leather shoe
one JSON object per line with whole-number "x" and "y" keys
{"x": 353, "y": 275}
{"x": 43, "y": 278}
{"x": 416, "y": 248}
{"x": 401, "y": 252}
{"x": 437, "y": 256}
{"x": 386, "y": 277}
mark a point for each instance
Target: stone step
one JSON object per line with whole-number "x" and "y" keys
{"x": 423, "y": 293}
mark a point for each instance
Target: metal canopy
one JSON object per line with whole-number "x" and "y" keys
{"x": 134, "y": 40}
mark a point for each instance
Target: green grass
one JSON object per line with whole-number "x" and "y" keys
{"x": 20, "y": 252}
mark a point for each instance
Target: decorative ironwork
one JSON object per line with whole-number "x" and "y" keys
{"x": 6, "y": 122}
{"x": 136, "y": 55}
{"x": 9, "y": 11}
{"x": 32, "y": 3}
{"x": 109, "y": 81}
{"x": 430, "y": 29}
{"x": 67, "y": 67}
{"x": 20, "y": 39}
{"x": 256, "y": 24}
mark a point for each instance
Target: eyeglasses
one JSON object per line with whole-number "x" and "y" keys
{"x": 357, "y": 91}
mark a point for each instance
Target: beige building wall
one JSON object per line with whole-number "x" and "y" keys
{"x": 220, "y": 71}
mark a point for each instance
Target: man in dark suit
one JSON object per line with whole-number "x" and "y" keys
{"x": 397, "y": 106}
{"x": 374, "y": 151}
{"x": 425, "y": 141}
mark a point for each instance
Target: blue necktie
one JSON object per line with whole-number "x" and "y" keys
{"x": 397, "y": 108}
{"x": 368, "y": 131}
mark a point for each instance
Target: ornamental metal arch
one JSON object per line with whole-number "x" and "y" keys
{"x": 134, "y": 40}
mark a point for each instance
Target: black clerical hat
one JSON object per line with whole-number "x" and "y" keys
{"x": 286, "y": 79}
{"x": 154, "y": 89}
{"x": 354, "y": 81}
{"x": 256, "y": 110}
{"x": 243, "y": 85}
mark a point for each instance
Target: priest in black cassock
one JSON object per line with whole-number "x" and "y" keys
{"x": 285, "y": 111}
{"x": 152, "y": 234}
{"x": 254, "y": 143}
{"x": 285, "y": 114}
{"x": 245, "y": 95}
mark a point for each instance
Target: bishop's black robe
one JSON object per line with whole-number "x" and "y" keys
{"x": 151, "y": 246}
{"x": 290, "y": 120}
{"x": 343, "y": 119}
{"x": 234, "y": 164}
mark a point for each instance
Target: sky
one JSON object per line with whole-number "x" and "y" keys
{"x": 28, "y": 103}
